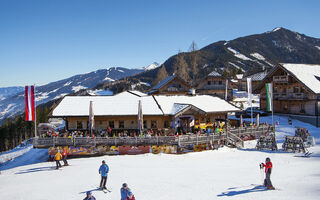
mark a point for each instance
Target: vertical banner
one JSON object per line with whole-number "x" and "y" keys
{"x": 91, "y": 118}
{"x": 29, "y": 103}
{"x": 140, "y": 116}
{"x": 249, "y": 87}
{"x": 269, "y": 96}
{"x": 226, "y": 95}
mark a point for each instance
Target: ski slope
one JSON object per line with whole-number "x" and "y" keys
{"x": 219, "y": 174}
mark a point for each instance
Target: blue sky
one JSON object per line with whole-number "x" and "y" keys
{"x": 44, "y": 41}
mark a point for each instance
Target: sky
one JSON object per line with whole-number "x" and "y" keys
{"x": 44, "y": 41}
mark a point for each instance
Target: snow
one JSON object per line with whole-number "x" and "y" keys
{"x": 68, "y": 83}
{"x": 152, "y": 66}
{"x": 226, "y": 173}
{"x": 78, "y": 88}
{"x": 236, "y": 66}
{"x": 317, "y": 47}
{"x": 8, "y": 109}
{"x": 133, "y": 86}
{"x": 239, "y": 55}
{"x": 276, "y": 29}
{"x": 41, "y": 96}
{"x": 306, "y": 73}
{"x": 119, "y": 70}
{"x": 257, "y": 56}
{"x": 60, "y": 95}
{"x": 126, "y": 103}
{"x": 108, "y": 79}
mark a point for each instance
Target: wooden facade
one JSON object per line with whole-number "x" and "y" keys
{"x": 172, "y": 85}
{"x": 290, "y": 95}
{"x": 215, "y": 85}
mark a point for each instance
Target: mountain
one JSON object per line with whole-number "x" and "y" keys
{"x": 13, "y": 104}
{"x": 247, "y": 54}
{"x": 152, "y": 66}
{"x": 8, "y": 91}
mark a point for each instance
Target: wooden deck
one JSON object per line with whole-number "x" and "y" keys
{"x": 233, "y": 137}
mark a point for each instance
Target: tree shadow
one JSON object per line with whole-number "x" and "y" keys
{"x": 234, "y": 192}
{"x": 38, "y": 169}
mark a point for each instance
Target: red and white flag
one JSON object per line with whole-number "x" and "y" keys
{"x": 29, "y": 101}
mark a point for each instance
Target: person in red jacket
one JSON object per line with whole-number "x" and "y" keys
{"x": 268, "y": 169}
{"x": 64, "y": 156}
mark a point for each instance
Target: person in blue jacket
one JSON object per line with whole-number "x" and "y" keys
{"x": 103, "y": 170}
{"x": 126, "y": 193}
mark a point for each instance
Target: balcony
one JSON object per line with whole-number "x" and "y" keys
{"x": 280, "y": 79}
{"x": 290, "y": 96}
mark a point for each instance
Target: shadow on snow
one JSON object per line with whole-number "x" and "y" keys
{"x": 38, "y": 169}
{"x": 234, "y": 192}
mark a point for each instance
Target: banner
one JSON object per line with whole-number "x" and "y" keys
{"x": 249, "y": 87}
{"x": 91, "y": 118}
{"x": 269, "y": 96}
{"x": 29, "y": 103}
{"x": 140, "y": 117}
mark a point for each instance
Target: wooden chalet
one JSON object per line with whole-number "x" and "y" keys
{"x": 215, "y": 84}
{"x": 120, "y": 112}
{"x": 172, "y": 85}
{"x": 296, "y": 89}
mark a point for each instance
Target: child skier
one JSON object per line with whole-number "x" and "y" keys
{"x": 64, "y": 156}
{"x": 89, "y": 196}
{"x": 103, "y": 170}
{"x": 57, "y": 158}
{"x": 268, "y": 169}
{"x": 126, "y": 193}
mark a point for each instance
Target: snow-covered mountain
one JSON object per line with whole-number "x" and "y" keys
{"x": 8, "y": 91}
{"x": 12, "y": 104}
{"x": 151, "y": 66}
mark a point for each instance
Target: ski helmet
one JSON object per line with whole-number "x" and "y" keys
{"x": 267, "y": 159}
{"x": 124, "y": 185}
{"x": 88, "y": 193}
{"x": 103, "y": 161}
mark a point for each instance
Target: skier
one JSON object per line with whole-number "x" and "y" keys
{"x": 64, "y": 157}
{"x": 268, "y": 169}
{"x": 103, "y": 170}
{"x": 126, "y": 193}
{"x": 57, "y": 158}
{"x": 89, "y": 196}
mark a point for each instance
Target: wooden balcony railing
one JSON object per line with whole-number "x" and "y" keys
{"x": 280, "y": 79}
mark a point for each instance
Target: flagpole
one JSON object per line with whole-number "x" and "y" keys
{"x": 35, "y": 112}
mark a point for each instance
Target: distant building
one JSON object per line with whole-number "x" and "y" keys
{"x": 296, "y": 89}
{"x": 171, "y": 85}
{"x": 255, "y": 80}
{"x": 215, "y": 84}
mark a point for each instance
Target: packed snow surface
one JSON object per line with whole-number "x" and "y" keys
{"x": 219, "y": 174}
{"x": 257, "y": 56}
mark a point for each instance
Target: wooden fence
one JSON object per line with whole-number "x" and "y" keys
{"x": 233, "y": 137}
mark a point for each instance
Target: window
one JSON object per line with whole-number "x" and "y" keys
{"x": 295, "y": 89}
{"x": 153, "y": 123}
{"x": 144, "y": 124}
{"x": 302, "y": 108}
{"x": 302, "y": 90}
{"x": 111, "y": 124}
{"x": 179, "y": 86}
{"x": 220, "y": 82}
{"x": 100, "y": 122}
{"x": 209, "y": 82}
{"x": 166, "y": 124}
{"x": 284, "y": 90}
{"x": 79, "y": 124}
{"x": 275, "y": 90}
{"x": 121, "y": 124}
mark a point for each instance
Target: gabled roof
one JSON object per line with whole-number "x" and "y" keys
{"x": 258, "y": 76}
{"x": 126, "y": 103}
{"x": 214, "y": 74}
{"x": 163, "y": 82}
{"x": 306, "y": 74}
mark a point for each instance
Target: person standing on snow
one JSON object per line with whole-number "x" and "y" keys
{"x": 64, "y": 157}
{"x": 268, "y": 169}
{"x": 57, "y": 158}
{"x": 126, "y": 193}
{"x": 89, "y": 196}
{"x": 103, "y": 170}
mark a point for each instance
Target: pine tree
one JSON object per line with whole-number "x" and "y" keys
{"x": 162, "y": 74}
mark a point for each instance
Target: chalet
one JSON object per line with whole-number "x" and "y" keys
{"x": 256, "y": 79}
{"x": 296, "y": 89}
{"x": 215, "y": 84}
{"x": 172, "y": 85}
{"x": 120, "y": 111}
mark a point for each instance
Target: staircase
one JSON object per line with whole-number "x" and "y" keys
{"x": 234, "y": 140}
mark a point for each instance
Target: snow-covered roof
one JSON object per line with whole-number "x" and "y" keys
{"x": 126, "y": 103}
{"x": 239, "y": 76}
{"x": 308, "y": 74}
{"x": 258, "y": 76}
{"x": 163, "y": 82}
{"x": 214, "y": 74}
